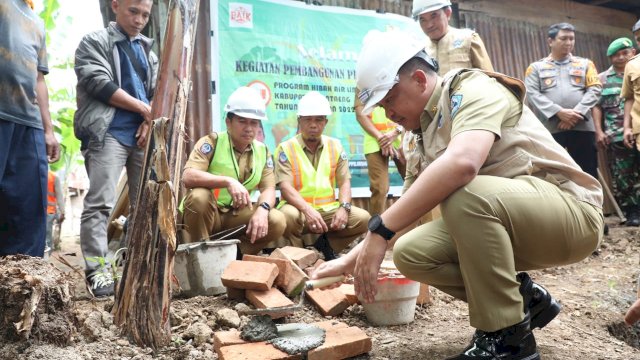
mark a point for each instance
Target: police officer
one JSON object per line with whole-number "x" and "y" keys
{"x": 222, "y": 173}
{"x": 562, "y": 90}
{"x": 624, "y": 162}
{"x": 309, "y": 166}
{"x": 492, "y": 167}
{"x": 381, "y": 142}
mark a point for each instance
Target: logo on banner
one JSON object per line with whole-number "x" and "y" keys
{"x": 241, "y": 15}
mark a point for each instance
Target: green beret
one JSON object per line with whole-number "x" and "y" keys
{"x": 619, "y": 44}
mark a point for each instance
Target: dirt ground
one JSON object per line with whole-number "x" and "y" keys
{"x": 594, "y": 294}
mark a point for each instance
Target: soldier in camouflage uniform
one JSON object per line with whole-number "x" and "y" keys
{"x": 624, "y": 162}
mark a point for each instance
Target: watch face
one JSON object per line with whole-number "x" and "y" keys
{"x": 374, "y": 222}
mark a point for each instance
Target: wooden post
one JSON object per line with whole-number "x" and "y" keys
{"x": 143, "y": 295}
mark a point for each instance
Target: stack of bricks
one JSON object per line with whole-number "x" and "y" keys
{"x": 268, "y": 282}
{"x": 341, "y": 342}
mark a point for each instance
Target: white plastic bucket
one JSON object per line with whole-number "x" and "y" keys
{"x": 395, "y": 301}
{"x": 199, "y": 266}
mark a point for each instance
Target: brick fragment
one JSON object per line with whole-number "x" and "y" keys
{"x": 295, "y": 279}
{"x": 249, "y": 275}
{"x": 284, "y": 267}
{"x": 342, "y": 343}
{"x": 301, "y": 256}
{"x": 330, "y": 302}
{"x": 255, "y": 351}
{"x": 226, "y": 338}
{"x": 269, "y": 299}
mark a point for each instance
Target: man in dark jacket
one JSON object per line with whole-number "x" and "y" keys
{"x": 116, "y": 72}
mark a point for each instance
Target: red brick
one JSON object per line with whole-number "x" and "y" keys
{"x": 284, "y": 267}
{"x": 350, "y": 292}
{"x": 226, "y": 338}
{"x": 255, "y": 351}
{"x": 330, "y": 324}
{"x": 424, "y": 297}
{"x": 268, "y": 299}
{"x": 342, "y": 343}
{"x": 330, "y": 302}
{"x": 235, "y": 294}
{"x": 295, "y": 279}
{"x": 249, "y": 275}
{"x": 301, "y": 256}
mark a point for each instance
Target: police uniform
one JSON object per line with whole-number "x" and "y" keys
{"x": 288, "y": 169}
{"x": 204, "y": 215}
{"x": 377, "y": 164}
{"x": 631, "y": 90}
{"x": 624, "y": 163}
{"x": 493, "y": 226}
{"x": 572, "y": 83}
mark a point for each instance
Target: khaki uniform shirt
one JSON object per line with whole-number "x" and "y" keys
{"x": 283, "y": 167}
{"x": 522, "y": 147}
{"x": 631, "y": 90}
{"x": 459, "y": 48}
{"x": 203, "y": 151}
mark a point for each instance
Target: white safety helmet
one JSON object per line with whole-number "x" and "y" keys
{"x": 636, "y": 27}
{"x": 314, "y": 104}
{"x": 382, "y": 55}
{"x": 246, "y": 102}
{"x": 423, "y": 6}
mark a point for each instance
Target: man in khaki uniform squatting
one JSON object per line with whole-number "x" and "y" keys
{"x": 309, "y": 166}
{"x": 512, "y": 199}
{"x": 222, "y": 172}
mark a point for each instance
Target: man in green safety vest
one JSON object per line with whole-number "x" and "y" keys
{"x": 309, "y": 167}
{"x": 224, "y": 170}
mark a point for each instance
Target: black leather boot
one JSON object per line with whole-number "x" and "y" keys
{"x": 322, "y": 245}
{"x": 538, "y": 302}
{"x": 515, "y": 342}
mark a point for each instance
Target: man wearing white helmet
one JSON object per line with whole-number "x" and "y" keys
{"x": 453, "y": 48}
{"x": 309, "y": 167}
{"x": 222, "y": 172}
{"x": 512, "y": 199}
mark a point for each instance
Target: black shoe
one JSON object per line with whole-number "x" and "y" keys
{"x": 322, "y": 245}
{"x": 633, "y": 219}
{"x": 515, "y": 342}
{"x": 538, "y": 302}
{"x": 268, "y": 251}
{"x": 606, "y": 230}
{"x": 100, "y": 282}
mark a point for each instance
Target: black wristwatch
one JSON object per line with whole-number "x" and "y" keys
{"x": 347, "y": 206}
{"x": 265, "y": 205}
{"x": 377, "y": 226}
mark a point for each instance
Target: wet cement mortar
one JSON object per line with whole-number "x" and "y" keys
{"x": 298, "y": 338}
{"x": 259, "y": 328}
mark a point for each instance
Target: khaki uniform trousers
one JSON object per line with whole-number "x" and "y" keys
{"x": 202, "y": 218}
{"x": 378, "y": 168}
{"x": 490, "y": 229}
{"x": 338, "y": 239}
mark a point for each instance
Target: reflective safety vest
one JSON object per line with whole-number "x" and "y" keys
{"x": 316, "y": 186}
{"x": 224, "y": 163}
{"x": 51, "y": 194}
{"x": 384, "y": 125}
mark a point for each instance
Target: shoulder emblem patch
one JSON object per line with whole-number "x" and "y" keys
{"x": 344, "y": 156}
{"x": 282, "y": 157}
{"x": 205, "y": 149}
{"x": 456, "y": 101}
{"x": 457, "y": 43}
{"x": 270, "y": 162}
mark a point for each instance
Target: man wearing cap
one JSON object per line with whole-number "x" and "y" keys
{"x": 492, "y": 167}
{"x": 562, "y": 90}
{"x": 309, "y": 167}
{"x": 223, "y": 172}
{"x": 631, "y": 93}
{"x": 624, "y": 162}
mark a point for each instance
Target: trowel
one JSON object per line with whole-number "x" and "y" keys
{"x": 308, "y": 285}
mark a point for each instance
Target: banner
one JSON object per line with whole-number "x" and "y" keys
{"x": 285, "y": 49}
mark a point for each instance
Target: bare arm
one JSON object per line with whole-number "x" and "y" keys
{"x": 42, "y": 95}
{"x": 601, "y": 138}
